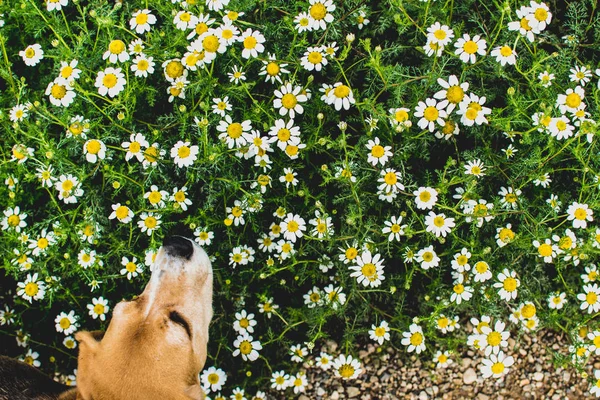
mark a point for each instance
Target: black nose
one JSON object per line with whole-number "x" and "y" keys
{"x": 178, "y": 246}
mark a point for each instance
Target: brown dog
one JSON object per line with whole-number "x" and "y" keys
{"x": 154, "y": 347}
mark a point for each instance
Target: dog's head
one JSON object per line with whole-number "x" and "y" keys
{"x": 155, "y": 345}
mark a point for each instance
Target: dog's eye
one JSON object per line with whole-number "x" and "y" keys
{"x": 180, "y": 320}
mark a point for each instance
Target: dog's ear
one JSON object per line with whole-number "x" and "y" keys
{"x": 195, "y": 392}
{"x": 88, "y": 343}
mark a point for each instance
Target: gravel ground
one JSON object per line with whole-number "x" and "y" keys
{"x": 390, "y": 374}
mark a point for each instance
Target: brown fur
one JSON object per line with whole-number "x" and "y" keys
{"x": 148, "y": 352}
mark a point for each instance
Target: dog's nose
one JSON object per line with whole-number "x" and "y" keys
{"x": 178, "y": 246}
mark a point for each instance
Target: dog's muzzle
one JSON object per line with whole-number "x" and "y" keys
{"x": 178, "y": 246}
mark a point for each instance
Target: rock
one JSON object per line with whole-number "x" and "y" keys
{"x": 469, "y": 376}
{"x": 524, "y": 382}
{"x": 538, "y": 376}
{"x": 303, "y": 397}
{"x": 482, "y": 396}
{"x": 466, "y": 362}
{"x": 566, "y": 377}
{"x": 320, "y": 392}
{"x": 423, "y": 396}
{"x": 352, "y": 391}
{"x": 335, "y": 395}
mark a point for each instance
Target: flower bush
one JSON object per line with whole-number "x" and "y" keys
{"x": 421, "y": 174}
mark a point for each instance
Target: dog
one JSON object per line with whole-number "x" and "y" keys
{"x": 155, "y": 345}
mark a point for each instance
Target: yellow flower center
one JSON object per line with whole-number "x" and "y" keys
{"x": 99, "y": 309}
{"x": 425, "y": 196}
{"x": 440, "y": 34}
{"x": 439, "y": 221}
{"x": 141, "y": 18}
{"x": 289, "y": 101}
{"x": 283, "y": 134}
{"x": 379, "y": 331}
{"x": 443, "y": 322}
{"x": 431, "y": 113}
{"x": 395, "y": 228}
{"x": 580, "y": 214}
{"x": 525, "y": 24}
{"x": 29, "y": 53}
{"x": 416, "y": 339}
{"x": 236, "y": 211}
{"x": 315, "y": 297}
{"x": 150, "y": 222}
{"x": 442, "y": 358}
{"x": 65, "y": 323}
{"x": 573, "y": 100}
{"x": 31, "y": 289}
{"x": 391, "y": 178}
{"x": 528, "y": 311}
{"x": 180, "y": 197}
{"x": 292, "y": 226}
{"x": 234, "y": 130}
{"x": 213, "y": 378}
{"x": 250, "y": 42}
{"x": 510, "y": 284}
{"x": 86, "y": 258}
{"x": 14, "y": 220}
{"x": 185, "y": 17}
{"x": 541, "y": 14}
{"x": 470, "y": 47}
{"x": 244, "y": 323}
{"x": 427, "y": 256}
{"x": 506, "y": 235}
{"x": 93, "y": 146}
{"x": 471, "y": 113}
{"x": 351, "y": 253}
{"x": 174, "y": 68}
{"x": 341, "y": 91}
{"x": 122, "y": 212}
{"x": 497, "y": 368}
{"x": 109, "y": 80}
{"x": 318, "y": 11}
{"x": 494, "y": 338}
{"x": 245, "y": 347}
{"x": 183, "y": 152}
{"x": 314, "y": 57}
{"x": 459, "y": 289}
{"x": 505, "y": 51}
{"x": 545, "y": 250}
{"x": 272, "y": 69}
{"x": 58, "y": 91}
{"x": 42, "y": 243}
{"x": 130, "y": 267}
{"x": 66, "y": 71}
{"x": 591, "y": 298}
{"x": 134, "y": 147}
{"x": 346, "y": 371}
{"x": 455, "y": 94}
{"x": 369, "y": 271}
{"x": 400, "y": 116}
{"x": 116, "y": 47}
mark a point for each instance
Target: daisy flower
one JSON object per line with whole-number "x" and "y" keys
{"x": 117, "y": 51}
{"x": 595, "y": 387}
{"x": 221, "y": 105}
{"x": 280, "y": 380}
{"x": 496, "y": 366}
{"x": 505, "y": 55}
{"x": 268, "y": 307}
{"x": 340, "y": 96}
{"x": 323, "y": 225}
{"x": 522, "y": 25}
{"x": 556, "y": 301}
{"x": 467, "y": 48}
{"x": 508, "y": 284}
{"x": 472, "y": 110}
{"x": 203, "y": 236}
{"x": 313, "y": 59}
{"x": 183, "y": 154}
{"x": 394, "y": 228}
{"x": 539, "y": 16}
{"x": 313, "y": 298}
{"x": 323, "y": 361}
{"x": 86, "y": 258}
{"x": 272, "y": 70}
{"x": 31, "y": 358}
{"x": 111, "y": 81}
{"x": 56, "y": 5}
{"x": 334, "y": 296}
{"x": 233, "y": 133}
{"x": 244, "y": 322}
{"x": 41, "y": 244}
{"x": 287, "y": 100}
{"x": 320, "y": 13}
{"x": 32, "y": 55}
{"x": 66, "y": 323}
{"x": 216, "y": 5}
{"x": 346, "y": 367}
{"x": 378, "y": 154}
{"x": 440, "y": 34}
{"x": 542, "y": 180}
{"x": 141, "y": 21}
{"x": 78, "y": 126}
{"x": 453, "y": 92}
{"x": 438, "y": 224}
{"x": 180, "y": 198}
{"x": 142, "y": 65}
{"x": 431, "y": 112}
{"x": 380, "y": 333}
{"x": 303, "y": 22}
{"x": 390, "y": 180}
{"x": 460, "y": 261}
{"x": 31, "y": 288}
{"x": 425, "y": 198}
{"x": 14, "y": 219}
{"x": 591, "y": 274}
{"x": 492, "y": 341}
{"x": 184, "y": 20}
{"x": 571, "y": 100}
{"x": 149, "y": 222}
{"x": 68, "y": 188}
{"x": 19, "y": 113}
{"x": 427, "y": 257}
{"x": 475, "y": 168}
{"x": 60, "y": 93}
{"x": 98, "y": 308}
{"x": 504, "y": 235}
{"x": 68, "y": 72}
{"x": 289, "y": 177}
{"x": 433, "y": 48}
{"x": 246, "y": 347}
{"x": 509, "y": 197}
{"x": 580, "y": 214}
{"x": 94, "y": 150}
{"x": 399, "y": 118}
{"x": 581, "y": 75}
{"x": 442, "y": 359}
{"x": 132, "y": 268}
{"x": 299, "y": 382}
{"x": 285, "y": 133}
{"x": 461, "y": 292}
{"x": 213, "y": 379}
{"x": 134, "y": 147}
{"x": 293, "y": 227}
{"x": 560, "y": 128}
{"x": 414, "y": 339}
{"x": 253, "y": 44}
{"x": 236, "y": 213}
{"x": 122, "y": 213}
{"x": 546, "y": 78}
{"x": 369, "y": 269}
{"x": 589, "y": 299}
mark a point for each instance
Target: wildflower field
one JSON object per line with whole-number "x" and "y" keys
{"x": 421, "y": 174}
